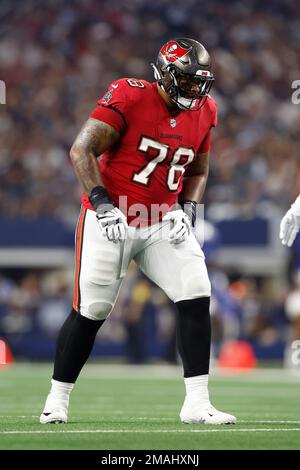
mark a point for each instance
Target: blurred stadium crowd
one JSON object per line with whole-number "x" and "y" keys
{"x": 58, "y": 57}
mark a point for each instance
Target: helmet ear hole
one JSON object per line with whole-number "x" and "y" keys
{"x": 167, "y": 83}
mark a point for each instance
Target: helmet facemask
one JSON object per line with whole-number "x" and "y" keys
{"x": 188, "y": 91}
{"x": 183, "y": 71}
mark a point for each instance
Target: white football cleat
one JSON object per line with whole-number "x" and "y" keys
{"x": 55, "y": 411}
{"x": 194, "y": 412}
{"x": 55, "y": 417}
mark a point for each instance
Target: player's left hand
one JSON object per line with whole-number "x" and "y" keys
{"x": 113, "y": 224}
{"x": 289, "y": 227}
{"x": 181, "y": 226}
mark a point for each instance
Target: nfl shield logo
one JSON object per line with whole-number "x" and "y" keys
{"x": 172, "y": 122}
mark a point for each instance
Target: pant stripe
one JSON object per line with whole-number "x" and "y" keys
{"x": 78, "y": 248}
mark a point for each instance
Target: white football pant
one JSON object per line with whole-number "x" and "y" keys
{"x": 101, "y": 264}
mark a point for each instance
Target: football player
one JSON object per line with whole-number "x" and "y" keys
{"x": 290, "y": 224}
{"x": 154, "y": 143}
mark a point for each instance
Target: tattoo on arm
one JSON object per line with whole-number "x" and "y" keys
{"x": 94, "y": 138}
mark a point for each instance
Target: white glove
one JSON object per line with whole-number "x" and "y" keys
{"x": 181, "y": 226}
{"x": 290, "y": 224}
{"x": 113, "y": 224}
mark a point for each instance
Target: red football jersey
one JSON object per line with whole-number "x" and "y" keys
{"x": 154, "y": 150}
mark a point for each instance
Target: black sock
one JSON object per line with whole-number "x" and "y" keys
{"x": 194, "y": 335}
{"x": 74, "y": 344}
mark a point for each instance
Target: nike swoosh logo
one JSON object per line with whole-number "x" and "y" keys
{"x": 209, "y": 414}
{"x": 115, "y": 86}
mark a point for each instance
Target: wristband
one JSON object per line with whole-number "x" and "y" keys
{"x": 189, "y": 207}
{"x": 99, "y": 196}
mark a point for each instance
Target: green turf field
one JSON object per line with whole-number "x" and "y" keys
{"x": 123, "y": 407}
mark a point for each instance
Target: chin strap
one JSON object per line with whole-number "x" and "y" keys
{"x": 185, "y": 103}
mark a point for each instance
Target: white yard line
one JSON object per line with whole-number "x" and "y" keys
{"x": 268, "y": 421}
{"x": 148, "y": 418}
{"x": 155, "y": 431}
{"x": 18, "y": 417}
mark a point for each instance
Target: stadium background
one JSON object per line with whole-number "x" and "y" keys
{"x": 57, "y": 58}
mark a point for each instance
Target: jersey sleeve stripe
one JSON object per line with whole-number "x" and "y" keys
{"x": 111, "y": 116}
{"x": 78, "y": 250}
{"x": 120, "y": 113}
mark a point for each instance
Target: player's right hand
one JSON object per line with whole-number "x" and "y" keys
{"x": 113, "y": 223}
